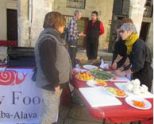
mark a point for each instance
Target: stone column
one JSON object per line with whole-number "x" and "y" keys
{"x": 39, "y": 10}
{"x": 136, "y": 11}
{"x": 30, "y": 20}
{"x": 23, "y": 24}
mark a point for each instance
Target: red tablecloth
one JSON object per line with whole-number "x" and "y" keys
{"x": 117, "y": 114}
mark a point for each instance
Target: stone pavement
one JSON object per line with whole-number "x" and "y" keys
{"x": 81, "y": 55}
{"x": 77, "y": 114}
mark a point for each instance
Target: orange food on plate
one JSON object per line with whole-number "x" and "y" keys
{"x": 117, "y": 92}
{"x": 101, "y": 82}
{"x": 84, "y": 76}
{"x": 139, "y": 103}
{"x": 120, "y": 92}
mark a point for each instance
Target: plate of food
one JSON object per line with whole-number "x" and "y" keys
{"x": 90, "y": 67}
{"x": 84, "y": 76}
{"x": 101, "y": 82}
{"x": 100, "y": 74}
{"x": 116, "y": 92}
{"x": 138, "y": 102}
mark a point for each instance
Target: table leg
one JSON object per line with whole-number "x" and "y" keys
{"x": 103, "y": 121}
{"x": 138, "y": 122}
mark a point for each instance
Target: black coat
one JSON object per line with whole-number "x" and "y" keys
{"x": 141, "y": 59}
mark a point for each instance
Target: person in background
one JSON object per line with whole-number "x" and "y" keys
{"x": 73, "y": 36}
{"x": 93, "y": 30}
{"x": 53, "y": 65}
{"x": 139, "y": 54}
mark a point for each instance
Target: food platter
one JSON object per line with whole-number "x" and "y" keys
{"x": 100, "y": 74}
{"x": 100, "y": 82}
{"x": 116, "y": 92}
{"x": 84, "y": 76}
{"x": 138, "y": 102}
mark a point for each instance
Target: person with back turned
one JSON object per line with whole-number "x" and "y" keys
{"x": 53, "y": 65}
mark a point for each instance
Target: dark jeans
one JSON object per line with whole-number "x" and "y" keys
{"x": 92, "y": 49}
{"x": 72, "y": 49}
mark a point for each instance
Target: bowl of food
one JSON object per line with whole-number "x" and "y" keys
{"x": 84, "y": 76}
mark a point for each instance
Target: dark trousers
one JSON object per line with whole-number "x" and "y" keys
{"x": 72, "y": 49}
{"x": 92, "y": 49}
{"x": 145, "y": 75}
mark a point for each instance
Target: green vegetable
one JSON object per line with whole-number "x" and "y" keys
{"x": 100, "y": 74}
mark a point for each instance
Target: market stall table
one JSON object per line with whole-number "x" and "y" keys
{"x": 116, "y": 114}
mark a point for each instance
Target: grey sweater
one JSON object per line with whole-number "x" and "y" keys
{"x": 52, "y": 60}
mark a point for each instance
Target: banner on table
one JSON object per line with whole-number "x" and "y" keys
{"x": 20, "y": 99}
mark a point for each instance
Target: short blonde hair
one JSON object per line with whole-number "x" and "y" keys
{"x": 54, "y": 20}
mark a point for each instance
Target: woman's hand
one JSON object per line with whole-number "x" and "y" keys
{"x": 114, "y": 66}
{"x": 58, "y": 91}
{"x": 120, "y": 73}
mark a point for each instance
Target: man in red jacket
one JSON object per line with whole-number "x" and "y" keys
{"x": 94, "y": 29}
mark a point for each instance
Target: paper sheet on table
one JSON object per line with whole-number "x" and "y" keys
{"x": 99, "y": 97}
{"x": 122, "y": 86}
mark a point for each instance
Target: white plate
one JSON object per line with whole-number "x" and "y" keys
{"x": 91, "y": 83}
{"x": 90, "y": 67}
{"x": 129, "y": 100}
{"x": 79, "y": 70}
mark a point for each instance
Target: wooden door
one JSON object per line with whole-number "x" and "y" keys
{"x": 12, "y": 30}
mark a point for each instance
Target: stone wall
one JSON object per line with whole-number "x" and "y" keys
{"x": 40, "y": 8}
{"x": 30, "y": 19}
{"x": 4, "y": 5}
{"x": 31, "y": 16}
{"x": 23, "y": 24}
{"x": 136, "y": 12}
{"x": 104, "y": 7}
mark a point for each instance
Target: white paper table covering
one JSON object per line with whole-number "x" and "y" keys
{"x": 99, "y": 97}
